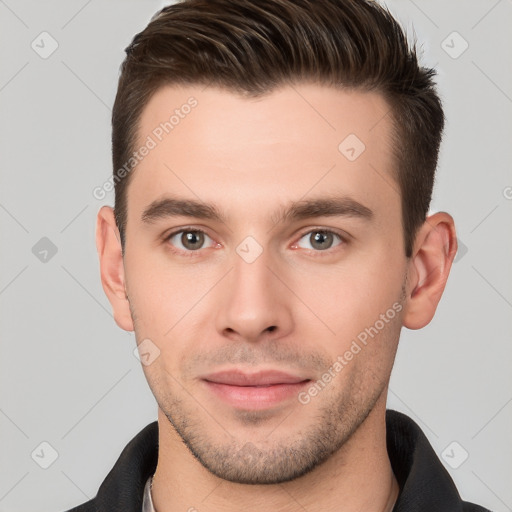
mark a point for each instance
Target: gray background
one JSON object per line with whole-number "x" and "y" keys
{"x": 68, "y": 373}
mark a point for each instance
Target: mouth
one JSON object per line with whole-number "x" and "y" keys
{"x": 260, "y": 390}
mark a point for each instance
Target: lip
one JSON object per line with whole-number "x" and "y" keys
{"x": 260, "y": 378}
{"x": 260, "y": 390}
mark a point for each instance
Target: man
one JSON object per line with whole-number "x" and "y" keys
{"x": 273, "y": 165}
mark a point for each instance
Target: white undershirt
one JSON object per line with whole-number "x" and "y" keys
{"x": 147, "y": 500}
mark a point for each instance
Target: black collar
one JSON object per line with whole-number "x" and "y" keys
{"x": 425, "y": 484}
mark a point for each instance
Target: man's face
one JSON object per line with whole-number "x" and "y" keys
{"x": 253, "y": 311}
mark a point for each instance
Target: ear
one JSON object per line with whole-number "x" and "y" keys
{"x": 108, "y": 244}
{"x": 434, "y": 250}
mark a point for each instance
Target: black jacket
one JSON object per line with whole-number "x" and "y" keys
{"x": 425, "y": 485}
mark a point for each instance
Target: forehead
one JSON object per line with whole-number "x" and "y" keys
{"x": 216, "y": 145}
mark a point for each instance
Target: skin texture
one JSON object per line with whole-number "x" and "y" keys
{"x": 296, "y": 308}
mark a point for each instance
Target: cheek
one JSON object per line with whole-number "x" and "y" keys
{"x": 150, "y": 289}
{"x": 163, "y": 294}
{"x": 356, "y": 300}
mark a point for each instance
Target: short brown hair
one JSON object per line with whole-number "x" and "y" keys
{"x": 252, "y": 47}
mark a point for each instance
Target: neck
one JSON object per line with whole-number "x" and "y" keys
{"x": 357, "y": 477}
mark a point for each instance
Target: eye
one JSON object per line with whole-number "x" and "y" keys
{"x": 319, "y": 240}
{"x": 188, "y": 239}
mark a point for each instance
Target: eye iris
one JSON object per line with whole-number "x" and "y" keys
{"x": 319, "y": 238}
{"x": 192, "y": 239}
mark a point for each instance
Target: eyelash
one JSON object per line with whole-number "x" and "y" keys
{"x": 192, "y": 254}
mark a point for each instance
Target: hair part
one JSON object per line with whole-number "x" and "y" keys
{"x": 253, "y": 48}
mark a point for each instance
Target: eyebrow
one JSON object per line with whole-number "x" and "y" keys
{"x": 299, "y": 210}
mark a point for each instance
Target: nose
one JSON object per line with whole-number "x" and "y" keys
{"x": 255, "y": 303}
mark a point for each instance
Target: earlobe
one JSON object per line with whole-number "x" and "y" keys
{"x": 108, "y": 244}
{"x": 434, "y": 251}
